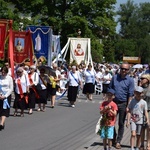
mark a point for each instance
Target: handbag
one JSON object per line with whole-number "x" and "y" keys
{"x": 38, "y": 87}
{"x": 98, "y": 126}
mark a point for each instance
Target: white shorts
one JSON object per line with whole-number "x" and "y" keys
{"x": 136, "y": 127}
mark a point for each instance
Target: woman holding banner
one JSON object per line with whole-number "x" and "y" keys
{"x": 6, "y": 88}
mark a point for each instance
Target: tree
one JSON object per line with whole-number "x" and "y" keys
{"x": 135, "y": 22}
{"x": 67, "y": 16}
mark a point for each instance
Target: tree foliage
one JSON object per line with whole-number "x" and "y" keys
{"x": 135, "y": 28}
{"x": 95, "y": 18}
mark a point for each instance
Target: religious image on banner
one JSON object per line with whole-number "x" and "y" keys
{"x": 3, "y": 32}
{"x": 78, "y": 49}
{"x": 19, "y": 44}
{"x": 38, "y": 43}
{"x": 22, "y": 43}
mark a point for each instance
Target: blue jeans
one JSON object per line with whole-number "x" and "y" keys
{"x": 121, "y": 119}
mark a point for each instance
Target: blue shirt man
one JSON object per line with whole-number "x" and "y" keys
{"x": 123, "y": 86}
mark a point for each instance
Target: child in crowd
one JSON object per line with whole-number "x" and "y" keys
{"x": 137, "y": 117}
{"x": 108, "y": 109}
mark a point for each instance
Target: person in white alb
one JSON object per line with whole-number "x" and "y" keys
{"x": 6, "y": 88}
{"x": 21, "y": 91}
{"x": 74, "y": 81}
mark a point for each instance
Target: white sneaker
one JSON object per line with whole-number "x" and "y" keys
{"x": 73, "y": 106}
{"x": 137, "y": 148}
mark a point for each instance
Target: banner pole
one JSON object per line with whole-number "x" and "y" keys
{"x": 10, "y": 48}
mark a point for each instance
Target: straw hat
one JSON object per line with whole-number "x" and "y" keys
{"x": 146, "y": 76}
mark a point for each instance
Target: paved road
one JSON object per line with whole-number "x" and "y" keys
{"x": 61, "y": 128}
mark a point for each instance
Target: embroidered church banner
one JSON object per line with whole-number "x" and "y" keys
{"x": 3, "y": 33}
{"x": 78, "y": 49}
{"x": 41, "y": 37}
{"x": 22, "y": 43}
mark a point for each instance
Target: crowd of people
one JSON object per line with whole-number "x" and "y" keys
{"x": 125, "y": 92}
{"x": 129, "y": 90}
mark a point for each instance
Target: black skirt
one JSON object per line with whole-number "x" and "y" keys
{"x": 72, "y": 93}
{"x": 43, "y": 97}
{"x": 51, "y": 91}
{"x": 88, "y": 88}
{"x": 105, "y": 88}
{"x": 20, "y": 103}
{"x": 31, "y": 99}
{"x": 5, "y": 112}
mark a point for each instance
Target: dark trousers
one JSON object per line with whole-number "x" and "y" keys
{"x": 121, "y": 119}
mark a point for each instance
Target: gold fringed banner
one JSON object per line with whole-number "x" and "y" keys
{"x": 22, "y": 45}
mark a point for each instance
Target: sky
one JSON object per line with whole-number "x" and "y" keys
{"x": 123, "y": 2}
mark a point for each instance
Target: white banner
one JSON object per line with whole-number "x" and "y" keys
{"x": 55, "y": 46}
{"x": 78, "y": 49}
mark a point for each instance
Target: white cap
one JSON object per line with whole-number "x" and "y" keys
{"x": 73, "y": 67}
{"x": 20, "y": 69}
{"x": 139, "y": 89}
{"x": 33, "y": 67}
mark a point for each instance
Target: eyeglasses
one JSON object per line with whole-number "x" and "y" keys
{"x": 142, "y": 78}
{"x": 124, "y": 69}
{"x": 19, "y": 71}
{"x": 3, "y": 72}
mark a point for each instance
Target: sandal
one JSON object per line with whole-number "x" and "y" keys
{"x": 39, "y": 109}
{"x": 21, "y": 115}
{"x": 118, "y": 146}
{"x": 15, "y": 114}
{"x": 142, "y": 148}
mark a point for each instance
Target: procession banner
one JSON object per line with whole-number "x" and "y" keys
{"x": 3, "y": 33}
{"x": 55, "y": 46}
{"x": 22, "y": 45}
{"x": 41, "y": 37}
{"x": 78, "y": 49}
